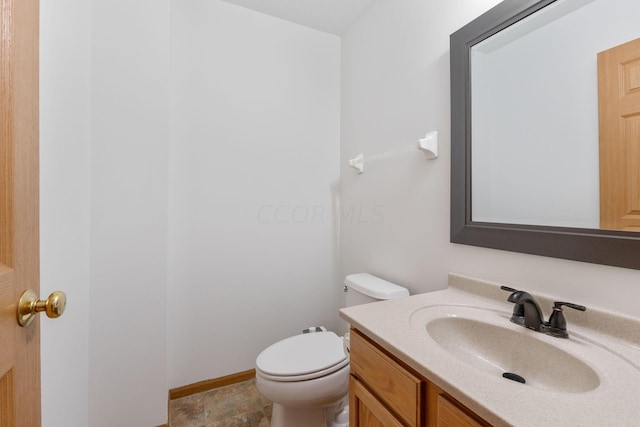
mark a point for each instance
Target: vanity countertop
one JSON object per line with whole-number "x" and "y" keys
{"x": 607, "y": 342}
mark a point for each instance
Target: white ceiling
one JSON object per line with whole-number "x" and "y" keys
{"x": 331, "y": 16}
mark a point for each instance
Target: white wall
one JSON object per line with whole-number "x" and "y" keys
{"x": 253, "y": 186}
{"x": 395, "y": 74}
{"x": 104, "y": 154}
{"x": 395, "y": 85}
{"x": 255, "y": 175}
{"x": 65, "y": 135}
{"x": 129, "y": 166}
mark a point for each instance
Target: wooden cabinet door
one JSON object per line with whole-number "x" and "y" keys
{"x": 19, "y": 246}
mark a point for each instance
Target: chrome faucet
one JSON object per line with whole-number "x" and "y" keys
{"x": 527, "y": 313}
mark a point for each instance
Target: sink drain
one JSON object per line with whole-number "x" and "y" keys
{"x": 513, "y": 377}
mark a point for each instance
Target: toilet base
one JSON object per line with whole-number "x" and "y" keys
{"x": 333, "y": 416}
{"x": 293, "y": 417}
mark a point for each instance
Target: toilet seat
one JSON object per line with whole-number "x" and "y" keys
{"x": 302, "y": 357}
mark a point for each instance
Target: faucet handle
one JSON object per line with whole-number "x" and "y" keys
{"x": 559, "y": 305}
{"x": 557, "y": 323}
{"x": 508, "y": 289}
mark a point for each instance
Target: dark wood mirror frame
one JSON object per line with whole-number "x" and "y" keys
{"x": 607, "y": 247}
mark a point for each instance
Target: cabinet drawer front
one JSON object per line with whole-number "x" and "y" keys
{"x": 386, "y": 379}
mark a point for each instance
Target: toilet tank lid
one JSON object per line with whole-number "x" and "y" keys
{"x": 375, "y": 287}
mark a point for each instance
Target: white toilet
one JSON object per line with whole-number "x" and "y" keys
{"x": 307, "y": 376}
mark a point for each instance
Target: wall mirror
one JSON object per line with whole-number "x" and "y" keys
{"x": 545, "y": 98}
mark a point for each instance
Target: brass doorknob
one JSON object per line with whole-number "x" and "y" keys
{"x": 29, "y": 305}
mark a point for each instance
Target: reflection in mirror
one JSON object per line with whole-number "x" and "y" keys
{"x": 527, "y": 116}
{"x": 534, "y": 92}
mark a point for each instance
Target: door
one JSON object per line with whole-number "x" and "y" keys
{"x": 19, "y": 261}
{"x": 619, "y": 121}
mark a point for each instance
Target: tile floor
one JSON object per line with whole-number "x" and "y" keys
{"x": 236, "y": 405}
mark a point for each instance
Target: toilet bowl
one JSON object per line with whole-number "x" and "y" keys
{"x": 306, "y": 376}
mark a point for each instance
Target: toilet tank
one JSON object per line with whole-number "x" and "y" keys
{"x": 363, "y": 288}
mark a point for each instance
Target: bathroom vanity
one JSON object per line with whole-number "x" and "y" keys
{"x": 440, "y": 359}
{"x": 386, "y": 392}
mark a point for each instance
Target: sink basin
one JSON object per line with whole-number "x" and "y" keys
{"x": 486, "y": 340}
